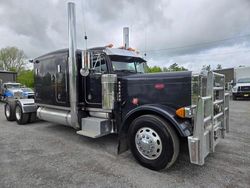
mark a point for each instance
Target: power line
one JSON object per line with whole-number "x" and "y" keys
{"x": 198, "y": 44}
{"x": 209, "y": 55}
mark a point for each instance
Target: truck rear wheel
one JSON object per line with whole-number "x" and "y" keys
{"x": 153, "y": 142}
{"x": 9, "y": 111}
{"x": 32, "y": 117}
{"x": 21, "y": 118}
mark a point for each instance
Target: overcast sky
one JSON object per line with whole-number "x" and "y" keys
{"x": 191, "y": 33}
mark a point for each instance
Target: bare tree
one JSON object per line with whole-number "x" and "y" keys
{"x": 12, "y": 58}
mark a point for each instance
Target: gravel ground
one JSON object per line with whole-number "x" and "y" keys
{"x": 48, "y": 155}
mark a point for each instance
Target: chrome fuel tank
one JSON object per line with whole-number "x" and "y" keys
{"x": 54, "y": 115}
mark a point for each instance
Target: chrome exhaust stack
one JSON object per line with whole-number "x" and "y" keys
{"x": 73, "y": 95}
{"x": 126, "y": 37}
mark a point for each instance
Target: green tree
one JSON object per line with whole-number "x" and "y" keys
{"x": 26, "y": 77}
{"x": 219, "y": 66}
{"x": 154, "y": 69}
{"x": 12, "y": 59}
{"x": 176, "y": 67}
{"x": 206, "y": 67}
{"x": 171, "y": 68}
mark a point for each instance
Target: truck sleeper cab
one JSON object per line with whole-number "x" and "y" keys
{"x": 149, "y": 112}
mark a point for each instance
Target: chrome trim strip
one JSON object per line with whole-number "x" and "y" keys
{"x": 97, "y": 110}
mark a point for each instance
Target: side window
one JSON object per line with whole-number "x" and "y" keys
{"x": 61, "y": 79}
{"x": 98, "y": 63}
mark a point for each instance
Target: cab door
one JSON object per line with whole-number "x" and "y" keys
{"x": 98, "y": 66}
{"x": 61, "y": 80}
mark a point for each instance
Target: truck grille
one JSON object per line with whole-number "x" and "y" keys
{"x": 244, "y": 88}
{"x": 17, "y": 94}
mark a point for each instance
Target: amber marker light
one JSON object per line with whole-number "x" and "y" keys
{"x": 180, "y": 112}
{"x": 131, "y": 49}
{"x": 109, "y": 46}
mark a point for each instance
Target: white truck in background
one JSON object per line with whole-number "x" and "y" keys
{"x": 241, "y": 86}
{"x": 241, "y": 72}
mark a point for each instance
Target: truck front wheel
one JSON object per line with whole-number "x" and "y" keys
{"x": 9, "y": 111}
{"x": 21, "y": 118}
{"x": 153, "y": 142}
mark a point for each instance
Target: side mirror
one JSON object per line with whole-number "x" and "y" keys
{"x": 85, "y": 63}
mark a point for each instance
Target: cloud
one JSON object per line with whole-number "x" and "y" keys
{"x": 41, "y": 26}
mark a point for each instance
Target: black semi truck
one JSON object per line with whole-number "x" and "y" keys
{"x": 105, "y": 90}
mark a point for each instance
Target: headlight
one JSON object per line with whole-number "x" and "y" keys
{"x": 234, "y": 89}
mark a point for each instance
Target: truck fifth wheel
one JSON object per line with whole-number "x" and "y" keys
{"x": 104, "y": 90}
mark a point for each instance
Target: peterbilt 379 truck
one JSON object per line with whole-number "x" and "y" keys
{"x": 105, "y": 90}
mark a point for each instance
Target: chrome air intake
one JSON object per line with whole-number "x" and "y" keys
{"x": 108, "y": 91}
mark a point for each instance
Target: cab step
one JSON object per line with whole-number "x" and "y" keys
{"x": 95, "y": 127}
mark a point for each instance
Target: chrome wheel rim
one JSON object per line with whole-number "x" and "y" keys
{"x": 7, "y": 110}
{"x": 148, "y": 143}
{"x": 18, "y": 113}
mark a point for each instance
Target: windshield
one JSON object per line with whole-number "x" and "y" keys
{"x": 244, "y": 80}
{"x": 127, "y": 64}
{"x": 12, "y": 85}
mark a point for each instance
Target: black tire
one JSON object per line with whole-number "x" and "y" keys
{"x": 9, "y": 111}
{"x": 21, "y": 118}
{"x": 168, "y": 139}
{"x": 32, "y": 117}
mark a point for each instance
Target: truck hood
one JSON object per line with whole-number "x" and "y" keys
{"x": 14, "y": 90}
{"x": 242, "y": 84}
{"x": 172, "y": 89}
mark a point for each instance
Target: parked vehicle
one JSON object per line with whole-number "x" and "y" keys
{"x": 233, "y": 77}
{"x": 11, "y": 90}
{"x": 7, "y": 76}
{"x": 104, "y": 90}
{"x": 241, "y": 88}
{"x": 241, "y": 72}
{"x": 27, "y": 92}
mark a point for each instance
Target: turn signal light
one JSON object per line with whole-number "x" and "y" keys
{"x": 180, "y": 112}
